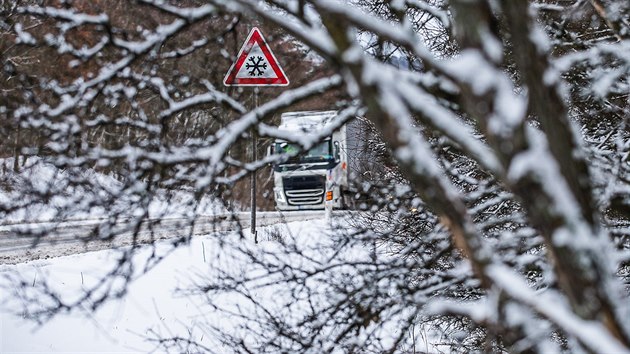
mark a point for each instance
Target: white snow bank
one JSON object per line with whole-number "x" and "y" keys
{"x": 153, "y": 306}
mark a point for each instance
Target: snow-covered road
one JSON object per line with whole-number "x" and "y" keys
{"x": 72, "y": 237}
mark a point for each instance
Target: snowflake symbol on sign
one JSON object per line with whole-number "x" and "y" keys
{"x": 257, "y": 65}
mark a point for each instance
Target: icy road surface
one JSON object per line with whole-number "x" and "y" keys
{"x": 73, "y": 237}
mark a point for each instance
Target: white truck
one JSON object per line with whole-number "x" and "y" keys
{"x": 318, "y": 177}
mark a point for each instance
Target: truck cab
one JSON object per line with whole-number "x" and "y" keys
{"x": 312, "y": 179}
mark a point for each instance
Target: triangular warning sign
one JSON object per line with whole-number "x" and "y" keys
{"x": 255, "y": 65}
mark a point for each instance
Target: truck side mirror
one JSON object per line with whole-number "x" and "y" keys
{"x": 337, "y": 152}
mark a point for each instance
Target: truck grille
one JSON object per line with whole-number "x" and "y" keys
{"x": 304, "y": 190}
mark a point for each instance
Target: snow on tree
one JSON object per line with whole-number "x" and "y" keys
{"x": 497, "y": 214}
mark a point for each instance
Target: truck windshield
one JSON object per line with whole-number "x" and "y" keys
{"x": 321, "y": 152}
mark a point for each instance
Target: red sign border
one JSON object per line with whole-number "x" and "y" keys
{"x": 255, "y": 36}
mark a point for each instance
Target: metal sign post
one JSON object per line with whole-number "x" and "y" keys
{"x": 253, "y": 176}
{"x": 256, "y": 66}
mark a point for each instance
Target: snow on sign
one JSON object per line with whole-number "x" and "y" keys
{"x": 255, "y": 65}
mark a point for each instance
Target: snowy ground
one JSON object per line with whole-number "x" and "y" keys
{"x": 121, "y": 325}
{"x": 152, "y": 305}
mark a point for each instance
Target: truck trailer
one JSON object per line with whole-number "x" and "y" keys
{"x": 319, "y": 177}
